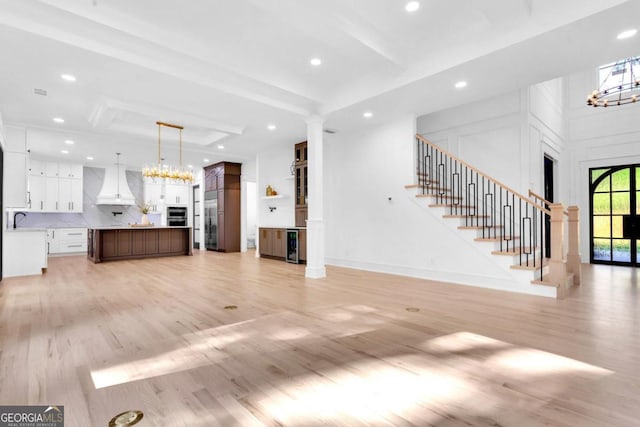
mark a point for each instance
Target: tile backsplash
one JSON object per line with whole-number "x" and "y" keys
{"x": 93, "y": 215}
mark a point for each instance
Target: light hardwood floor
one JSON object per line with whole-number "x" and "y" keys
{"x": 154, "y": 335}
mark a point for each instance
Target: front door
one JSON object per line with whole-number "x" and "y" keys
{"x": 615, "y": 215}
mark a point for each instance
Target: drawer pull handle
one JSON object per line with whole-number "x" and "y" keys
{"x": 75, "y": 234}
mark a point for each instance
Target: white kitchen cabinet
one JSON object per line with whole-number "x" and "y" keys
{"x": 66, "y": 240}
{"x": 15, "y": 167}
{"x": 153, "y": 196}
{"x": 25, "y": 252}
{"x": 69, "y": 195}
{"x": 177, "y": 194}
{"x": 69, "y": 170}
{"x": 51, "y": 196}
{"x": 49, "y": 192}
{"x": 15, "y": 172}
{"x": 37, "y": 168}
{"x": 37, "y": 194}
{"x": 51, "y": 169}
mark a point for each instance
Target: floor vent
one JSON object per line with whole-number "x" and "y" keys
{"x": 125, "y": 419}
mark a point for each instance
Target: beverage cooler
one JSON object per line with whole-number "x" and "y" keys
{"x": 293, "y": 246}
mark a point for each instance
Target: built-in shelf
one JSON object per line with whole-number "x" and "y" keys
{"x": 279, "y": 196}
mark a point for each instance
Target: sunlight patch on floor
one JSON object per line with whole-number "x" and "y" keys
{"x": 197, "y": 351}
{"x": 471, "y": 379}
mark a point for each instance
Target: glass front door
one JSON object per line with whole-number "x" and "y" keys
{"x": 615, "y": 215}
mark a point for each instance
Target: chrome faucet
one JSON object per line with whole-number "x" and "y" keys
{"x": 15, "y": 215}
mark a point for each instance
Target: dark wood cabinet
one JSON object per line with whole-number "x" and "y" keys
{"x": 273, "y": 243}
{"x": 302, "y": 245}
{"x": 114, "y": 244}
{"x": 301, "y": 183}
{"x": 224, "y": 179}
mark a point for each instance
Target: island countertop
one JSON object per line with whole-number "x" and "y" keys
{"x": 135, "y": 227}
{"x": 128, "y": 242}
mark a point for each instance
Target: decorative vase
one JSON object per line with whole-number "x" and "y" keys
{"x": 144, "y": 220}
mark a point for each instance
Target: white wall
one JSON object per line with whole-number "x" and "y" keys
{"x": 487, "y": 135}
{"x": 372, "y": 222}
{"x": 506, "y": 136}
{"x": 273, "y": 168}
{"x": 252, "y": 218}
{"x": 597, "y": 137}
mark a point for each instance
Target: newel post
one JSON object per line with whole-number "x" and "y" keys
{"x": 557, "y": 267}
{"x": 573, "y": 252}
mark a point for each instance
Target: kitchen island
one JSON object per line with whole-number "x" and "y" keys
{"x": 119, "y": 243}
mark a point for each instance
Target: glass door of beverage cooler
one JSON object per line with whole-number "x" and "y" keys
{"x": 292, "y": 246}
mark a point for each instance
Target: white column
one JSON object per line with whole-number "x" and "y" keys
{"x": 315, "y": 200}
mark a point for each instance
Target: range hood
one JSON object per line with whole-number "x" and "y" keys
{"x": 115, "y": 190}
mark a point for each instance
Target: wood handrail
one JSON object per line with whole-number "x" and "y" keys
{"x": 515, "y": 193}
{"x": 545, "y": 201}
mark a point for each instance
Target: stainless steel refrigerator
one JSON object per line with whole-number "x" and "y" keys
{"x": 211, "y": 220}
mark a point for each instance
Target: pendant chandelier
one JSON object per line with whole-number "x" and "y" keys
{"x": 167, "y": 172}
{"x": 619, "y": 86}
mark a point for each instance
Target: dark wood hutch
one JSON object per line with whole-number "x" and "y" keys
{"x": 222, "y": 180}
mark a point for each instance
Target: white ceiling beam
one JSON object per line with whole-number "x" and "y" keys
{"x": 79, "y": 31}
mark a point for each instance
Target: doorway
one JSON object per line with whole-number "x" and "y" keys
{"x": 548, "y": 195}
{"x": 196, "y": 216}
{"x": 614, "y": 215}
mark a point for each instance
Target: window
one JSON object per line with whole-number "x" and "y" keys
{"x": 618, "y": 73}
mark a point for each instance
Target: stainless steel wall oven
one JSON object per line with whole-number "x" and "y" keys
{"x": 177, "y": 216}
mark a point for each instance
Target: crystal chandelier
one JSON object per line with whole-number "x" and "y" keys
{"x": 168, "y": 172}
{"x": 619, "y": 84}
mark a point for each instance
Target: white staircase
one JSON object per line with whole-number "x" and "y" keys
{"x": 505, "y": 226}
{"x": 526, "y": 278}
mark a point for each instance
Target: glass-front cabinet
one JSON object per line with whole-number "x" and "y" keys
{"x": 301, "y": 183}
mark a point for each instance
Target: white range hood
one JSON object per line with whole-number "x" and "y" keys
{"x": 115, "y": 190}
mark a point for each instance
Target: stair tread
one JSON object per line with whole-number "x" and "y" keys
{"x": 495, "y": 239}
{"x": 477, "y": 227}
{"x": 530, "y": 267}
{"x": 544, "y": 283}
{"x": 447, "y": 205}
{"x": 445, "y": 196}
{"x": 514, "y": 252}
{"x": 422, "y": 183}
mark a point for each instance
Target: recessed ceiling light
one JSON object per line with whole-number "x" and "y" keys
{"x": 64, "y": 151}
{"x": 205, "y": 160}
{"x": 190, "y": 166}
{"x": 68, "y": 77}
{"x": 272, "y": 127}
{"x": 315, "y": 61}
{"x": 220, "y": 147}
{"x": 89, "y": 158}
{"x": 461, "y": 84}
{"x": 627, "y": 34}
{"x": 367, "y": 114}
{"x": 58, "y": 120}
{"x": 412, "y": 6}
{"x": 69, "y": 142}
